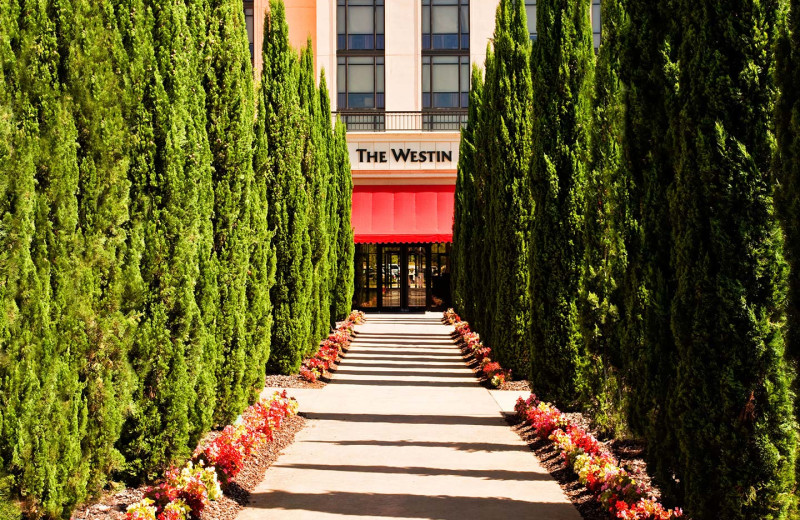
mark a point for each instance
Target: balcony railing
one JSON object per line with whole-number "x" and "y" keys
{"x": 425, "y": 121}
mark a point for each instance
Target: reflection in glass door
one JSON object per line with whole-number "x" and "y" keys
{"x": 390, "y": 272}
{"x": 417, "y": 279}
{"x": 440, "y": 276}
{"x": 366, "y": 276}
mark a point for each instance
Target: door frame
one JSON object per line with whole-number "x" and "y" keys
{"x": 404, "y": 283}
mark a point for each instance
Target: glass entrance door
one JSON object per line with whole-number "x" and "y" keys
{"x": 417, "y": 276}
{"x": 391, "y": 277}
{"x": 397, "y": 277}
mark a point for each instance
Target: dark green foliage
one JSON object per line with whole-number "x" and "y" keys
{"x": 342, "y": 299}
{"x": 562, "y": 78}
{"x": 787, "y": 174}
{"x": 604, "y": 258}
{"x": 136, "y": 254}
{"x": 332, "y": 196}
{"x": 508, "y": 102}
{"x": 279, "y": 149}
{"x": 316, "y": 169}
{"x": 467, "y": 212}
{"x": 731, "y": 401}
{"x": 480, "y": 248}
{"x": 648, "y": 283}
{"x": 230, "y": 108}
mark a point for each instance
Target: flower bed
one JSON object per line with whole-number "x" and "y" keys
{"x": 597, "y": 469}
{"x": 470, "y": 343}
{"x": 186, "y": 492}
{"x": 330, "y": 349}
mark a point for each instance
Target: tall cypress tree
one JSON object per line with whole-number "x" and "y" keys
{"x": 171, "y": 186}
{"x": 508, "y": 107}
{"x": 466, "y": 211}
{"x": 562, "y": 79}
{"x": 46, "y": 414}
{"x": 317, "y": 172}
{"x": 481, "y": 245}
{"x": 29, "y": 364}
{"x": 731, "y": 401}
{"x": 345, "y": 246}
{"x": 787, "y": 174}
{"x": 230, "y": 105}
{"x": 332, "y": 193}
{"x": 279, "y": 148}
{"x": 14, "y": 252}
{"x": 606, "y": 200}
{"x": 648, "y": 284}
{"x": 91, "y": 47}
{"x": 203, "y": 351}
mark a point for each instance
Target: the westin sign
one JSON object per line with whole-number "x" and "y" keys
{"x": 404, "y": 155}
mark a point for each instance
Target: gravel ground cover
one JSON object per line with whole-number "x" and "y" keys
{"x": 292, "y": 381}
{"x": 113, "y": 506}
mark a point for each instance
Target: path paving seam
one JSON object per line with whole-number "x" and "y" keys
{"x": 404, "y": 430}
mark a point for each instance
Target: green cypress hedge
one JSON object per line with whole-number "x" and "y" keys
{"x": 562, "y": 77}
{"x": 342, "y": 300}
{"x": 44, "y": 415}
{"x": 605, "y": 224}
{"x": 333, "y": 196}
{"x": 647, "y": 72}
{"x": 467, "y": 210}
{"x": 279, "y": 116}
{"x": 481, "y": 251}
{"x": 787, "y": 175}
{"x": 316, "y": 169}
{"x": 137, "y": 255}
{"x": 242, "y": 345}
{"x": 167, "y": 348}
{"x": 731, "y": 400}
{"x": 508, "y": 104}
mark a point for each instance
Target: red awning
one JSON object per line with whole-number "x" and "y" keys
{"x": 386, "y": 214}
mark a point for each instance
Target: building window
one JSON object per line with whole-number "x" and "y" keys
{"x": 360, "y": 24}
{"x": 248, "y": 22}
{"x": 445, "y": 24}
{"x": 596, "y": 23}
{"x": 361, "y": 82}
{"x": 445, "y": 82}
{"x": 360, "y": 47}
{"x": 530, "y": 11}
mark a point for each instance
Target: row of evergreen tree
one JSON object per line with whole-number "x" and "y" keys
{"x": 169, "y": 229}
{"x": 617, "y": 232}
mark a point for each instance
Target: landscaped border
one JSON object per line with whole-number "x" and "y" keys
{"x": 472, "y": 346}
{"x": 320, "y": 366}
{"x": 185, "y": 493}
{"x": 616, "y": 490}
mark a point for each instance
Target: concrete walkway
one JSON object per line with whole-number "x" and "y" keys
{"x": 405, "y": 431}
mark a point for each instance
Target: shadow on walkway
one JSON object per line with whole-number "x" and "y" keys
{"x": 485, "y": 474}
{"x": 470, "y": 447}
{"x": 370, "y": 354}
{"x": 406, "y": 419}
{"x": 435, "y": 372}
{"x": 439, "y": 507}
{"x": 387, "y": 382}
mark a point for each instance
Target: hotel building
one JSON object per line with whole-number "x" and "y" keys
{"x": 399, "y": 73}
